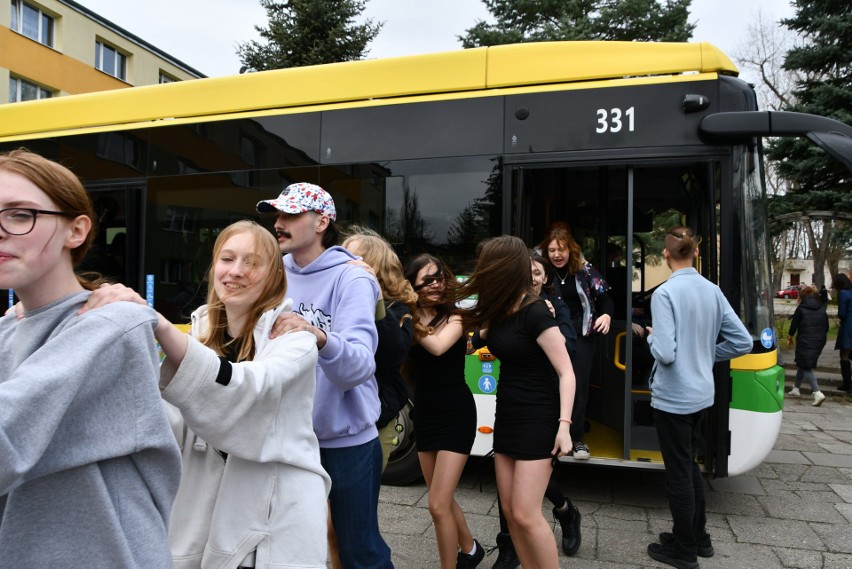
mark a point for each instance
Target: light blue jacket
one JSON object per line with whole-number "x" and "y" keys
{"x": 689, "y": 314}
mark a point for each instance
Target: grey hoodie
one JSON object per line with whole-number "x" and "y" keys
{"x": 89, "y": 466}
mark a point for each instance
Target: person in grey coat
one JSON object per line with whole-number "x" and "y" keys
{"x": 89, "y": 467}
{"x": 809, "y": 326}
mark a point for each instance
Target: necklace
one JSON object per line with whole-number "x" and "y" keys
{"x": 561, "y": 279}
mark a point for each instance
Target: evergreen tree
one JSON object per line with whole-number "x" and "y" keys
{"x": 823, "y": 62}
{"x": 550, "y": 20}
{"x": 309, "y": 32}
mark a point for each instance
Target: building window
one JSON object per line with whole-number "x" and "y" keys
{"x": 23, "y": 90}
{"x": 166, "y": 78}
{"x": 111, "y": 61}
{"x": 32, "y": 22}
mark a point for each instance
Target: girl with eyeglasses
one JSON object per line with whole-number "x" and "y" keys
{"x": 89, "y": 467}
{"x": 444, "y": 410}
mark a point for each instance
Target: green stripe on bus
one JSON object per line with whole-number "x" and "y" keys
{"x": 475, "y": 371}
{"x": 760, "y": 391}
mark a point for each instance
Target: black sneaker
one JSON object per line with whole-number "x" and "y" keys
{"x": 569, "y": 520}
{"x": 704, "y": 549}
{"x": 507, "y": 557}
{"x": 465, "y": 561}
{"x": 669, "y": 556}
{"x": 581, "y": 451}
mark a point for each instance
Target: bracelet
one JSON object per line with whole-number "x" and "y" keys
{"x": 564, "y": 420}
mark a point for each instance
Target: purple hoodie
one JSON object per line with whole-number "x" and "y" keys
{"x": 341, "y": 300}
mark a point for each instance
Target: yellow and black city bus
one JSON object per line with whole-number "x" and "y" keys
{"x": 440, "y": 151}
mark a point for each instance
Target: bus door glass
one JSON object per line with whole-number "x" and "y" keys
{"x": 619, "y": 214}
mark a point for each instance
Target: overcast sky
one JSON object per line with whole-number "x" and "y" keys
{"x": 204, "y": 33}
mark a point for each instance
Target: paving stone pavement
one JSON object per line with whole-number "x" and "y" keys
{"x": 793, "y": 511}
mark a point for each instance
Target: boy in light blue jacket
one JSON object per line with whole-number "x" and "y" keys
{"x": 690, "y": 313}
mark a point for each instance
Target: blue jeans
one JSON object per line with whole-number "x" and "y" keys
{"x": 356, "y": 477}
{"x": 680, "y": 440}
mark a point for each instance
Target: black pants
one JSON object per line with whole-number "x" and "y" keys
{"x": 679, "y": 442}
{"x": 582, "y": 364}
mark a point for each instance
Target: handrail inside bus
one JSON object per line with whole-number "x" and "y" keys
{"x": 461, "y": 71}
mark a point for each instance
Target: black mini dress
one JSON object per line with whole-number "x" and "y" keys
{"x": 444, "y": 410}
{"x": 527, "y": 415}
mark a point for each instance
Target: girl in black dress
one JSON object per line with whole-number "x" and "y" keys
{"x": 535, "y": 390}
{"x": 444, "y": 410}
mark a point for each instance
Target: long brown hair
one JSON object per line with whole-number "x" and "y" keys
{"x": 63, "y": 188}
{"x": 501, "y": 277}
{"x": 271, "y": 296}
{"x": 562, "y": 235}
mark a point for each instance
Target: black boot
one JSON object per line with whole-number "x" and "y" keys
{"x": 570, "y": 522}
{"x": 506, "y": 558}
{"x": 846, "y": 373}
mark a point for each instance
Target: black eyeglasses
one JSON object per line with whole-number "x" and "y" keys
{"x": 429, "y": 281}
{"x": 21, "y": 220}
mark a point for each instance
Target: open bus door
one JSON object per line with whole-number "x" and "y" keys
{"x": 613, "y": 210}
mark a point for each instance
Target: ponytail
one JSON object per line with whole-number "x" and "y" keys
{"x": 680, "y": 243}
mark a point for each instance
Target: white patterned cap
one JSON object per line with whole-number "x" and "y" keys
{"x": 299, "y": 198}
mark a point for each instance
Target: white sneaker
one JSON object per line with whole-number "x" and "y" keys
{"x": 818, "y": 398}
{"x": 794, "y": 392}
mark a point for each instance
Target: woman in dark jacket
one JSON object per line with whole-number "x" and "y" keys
{"x": 843, "y": 292}
{"x": 394, "y": 324}
{"x": 586, "y": 294}
{"x": 810, "y": 322}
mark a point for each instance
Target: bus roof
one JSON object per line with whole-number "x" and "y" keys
{"x": 463, "y": 71}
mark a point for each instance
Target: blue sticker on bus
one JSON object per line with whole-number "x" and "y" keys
{"x": 487, "y": 367}
{"x": 487, "y": 384}
{"x": 767, "y": 338}
{"x": 149, "y": 290}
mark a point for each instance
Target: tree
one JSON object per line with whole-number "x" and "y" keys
{"x": 550, "y": 20}
{"x": 761, "y": 54}
{"x": 823, "y": 61}
{"x": 309, "y": 32}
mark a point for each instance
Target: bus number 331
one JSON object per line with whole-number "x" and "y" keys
{"x": 613, "y": 120}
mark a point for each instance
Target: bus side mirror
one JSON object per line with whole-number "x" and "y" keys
{"x": 832, "y": 136}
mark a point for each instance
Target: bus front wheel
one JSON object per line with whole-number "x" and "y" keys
{"x": 403, "y": 465}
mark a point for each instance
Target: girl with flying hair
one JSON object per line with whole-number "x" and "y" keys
{"x": 535, "y": 389}
{"x": 444, "y": 410}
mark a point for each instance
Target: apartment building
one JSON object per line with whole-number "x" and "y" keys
{"x": 50, "y": 48}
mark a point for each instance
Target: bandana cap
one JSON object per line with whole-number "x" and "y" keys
{"x": 299, "y": 198}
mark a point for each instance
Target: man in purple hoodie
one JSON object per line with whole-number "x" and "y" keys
{"x": 336, "y": 302}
